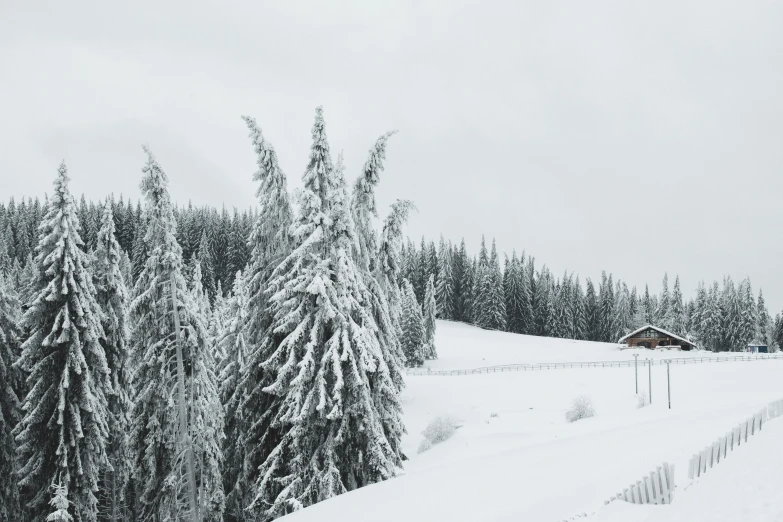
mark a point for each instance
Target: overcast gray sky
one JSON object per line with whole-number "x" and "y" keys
{"x": 635, "y": 137}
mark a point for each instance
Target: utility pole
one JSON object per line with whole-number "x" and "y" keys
{"x": 649, "y": 379}
{"x": 668, "y": 382}
{"x": 636, "y": 370}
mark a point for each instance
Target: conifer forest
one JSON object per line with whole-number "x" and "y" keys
{"x": 162, "y": 362}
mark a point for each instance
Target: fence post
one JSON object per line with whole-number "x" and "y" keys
{"x": 668, "y": 383}
{"x": 649, "y": 378}
{"x": 664, "y": 485}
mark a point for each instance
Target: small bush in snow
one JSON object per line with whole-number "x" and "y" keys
{"x": 581, "y": 408}
{"x": 493, "y": 415}
{"x": 440, "y": 429}
{"x": 424, "y": 445}
{"x": 642, "y": 400}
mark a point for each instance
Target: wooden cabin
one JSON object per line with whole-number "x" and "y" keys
{"x": 653, "y": 337}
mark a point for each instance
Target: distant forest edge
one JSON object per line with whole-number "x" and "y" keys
{"x": 514, "y": 295}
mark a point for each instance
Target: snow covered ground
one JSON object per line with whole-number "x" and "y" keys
{"x": 746, "y": 486}
{"x": 516, "y": 458}
{"x": 468, "y": 347}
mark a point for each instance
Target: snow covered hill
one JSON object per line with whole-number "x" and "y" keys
{"x": 744, "y": 487}
{"x": 516, "y": 458}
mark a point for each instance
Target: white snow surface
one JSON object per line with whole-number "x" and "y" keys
{"x": 515, "y": 457}
{"x": 744, "y": 487}
{"x": 467, "y": 347}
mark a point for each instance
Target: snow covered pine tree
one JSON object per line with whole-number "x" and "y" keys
{"x": 9, "y": 402}
{"x": 412, "y": 323}
{"x": 189, "y": 428}
{"x": 430, "y": 311}
{"x": 271, "y": 242}
{"x": 62, "y": 437}
{"x": 112, "y": 297}
{"x": 327, "y": 435}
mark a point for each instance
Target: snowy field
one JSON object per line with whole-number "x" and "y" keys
{"x": 468, "y": 347}
{"x": 515, "y": 457}
{"x": 745, "y": 487}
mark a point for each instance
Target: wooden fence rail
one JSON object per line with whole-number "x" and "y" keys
{"x": 590, "y": 364}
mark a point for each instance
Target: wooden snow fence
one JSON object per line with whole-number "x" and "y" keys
{"x": 712, "y": 455}
{"x": 655, "y": 488}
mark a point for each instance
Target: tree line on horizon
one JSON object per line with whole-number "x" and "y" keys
{"x": 520, "y": 298}
{"x": 514, "y": 296}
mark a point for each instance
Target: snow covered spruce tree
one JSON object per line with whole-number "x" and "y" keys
{"x": 412, "y": 323}
{"x": 322, "y": 432}
{"x": 444, "y": 290}
{"x": 62, "y": 437}
{"x": 490, "y": 307}
{"x": 177, "y": 416}
{"x": 112, "y": 298}
{"x": 430, "y": 311}
{"x": 270, "y": 238}
{"x": 386, "y": 381}
{"x": 10, "y": 410}
{"x": 231, "y": 342}
{"x": 513, "y": 285}
{"x": 270, "y": 243}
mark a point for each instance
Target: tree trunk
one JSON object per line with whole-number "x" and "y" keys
{"x": 182, "y": 410}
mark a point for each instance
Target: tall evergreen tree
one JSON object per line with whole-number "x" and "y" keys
{"x": 748, "y": 320}
{"x": 206, "y": 258}
{"x": 763, "y": 333}
{"x": 62, "y": 437}
{"x": 580, "y": 328}
{"x": 422, "y": 271}
{"x": 10, "y": 410}
{"x": 231, "y": 342}
{"x": 170, "y": 342}
{"x": 388, "y": 380}
{"x": 139, "y": 254}
{"x": 320, "y": 357}
{"x": 606, "y": 313}
{"x": 270, "y": 242}
{"x": 662, "y": 315}
{"x": 730, "y": 317}
{"x": 515, "y": 298}
{"x": 591, "y": 312}
{"x": 461, "y": 292}
{"x": 491, "y": 302}
{"x": 621, "y": 322}
{"x": 413, "y": 333}
{"x": 676, "y": 311}
{"x": 112, "y": 298}
{"x": 468, "y": 296}
{"x": 430, "y": 311}
{"x": 270, "y": 239}
{"x": 445, "y": 290}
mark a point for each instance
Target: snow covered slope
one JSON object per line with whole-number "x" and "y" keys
{"x": 526, "y": 462}
{"x": 745, "y": 487}
{"x": 464, "y": 346}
